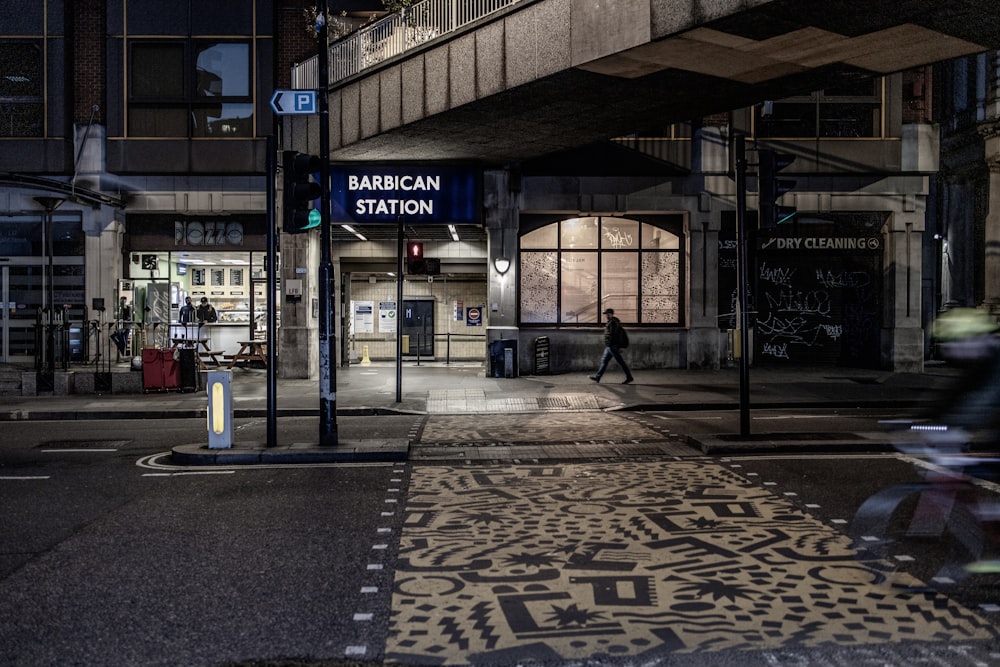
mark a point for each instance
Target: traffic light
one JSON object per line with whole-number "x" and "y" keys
{"x": 415, "y": 258}
{"x": 300, "y": 192}
{"x": 771, "y": 188}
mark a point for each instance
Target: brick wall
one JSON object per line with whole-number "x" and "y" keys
{"x": 88, "y": 19}
{"x": 295, "y": 44}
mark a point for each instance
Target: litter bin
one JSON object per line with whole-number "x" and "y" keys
{"x": 160, "y": 369}
{"x": 503, "y": 358}
{"x": 542, "y": 355}
{"x": 188, "y": 362}
{"x": 152, "y": 369}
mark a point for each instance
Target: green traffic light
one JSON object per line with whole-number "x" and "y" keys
{"x": 314, "y": 219}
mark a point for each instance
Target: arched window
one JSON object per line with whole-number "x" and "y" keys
{"x": 571, "y": 270}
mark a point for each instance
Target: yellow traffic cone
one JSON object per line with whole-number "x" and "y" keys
{"x": 365, "y": 361}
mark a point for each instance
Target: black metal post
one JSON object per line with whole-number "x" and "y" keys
{"x": 399, "y": 310}
{"x": 741, "y": 297}
{"x": 327, "y": 334}
{"x": 48, "y": 244}
{"x": 272, "y": 286}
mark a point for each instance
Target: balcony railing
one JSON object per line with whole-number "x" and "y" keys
{"x": 394, "y": 35}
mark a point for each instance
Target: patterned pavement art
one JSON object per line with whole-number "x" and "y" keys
{"x": 504, "y": 564}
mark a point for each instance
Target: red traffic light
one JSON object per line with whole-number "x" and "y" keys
{"x": 415, "y": 250}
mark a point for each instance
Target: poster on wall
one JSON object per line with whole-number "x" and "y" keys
{"x": 474, "y": 316}
{"x": 387, "y": 317}
{"x": 364, "y": 317}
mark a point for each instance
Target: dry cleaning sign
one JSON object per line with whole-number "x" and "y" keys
{"x": 405, "y": 193}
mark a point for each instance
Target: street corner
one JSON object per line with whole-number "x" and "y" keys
{"x": 249, "y": 454}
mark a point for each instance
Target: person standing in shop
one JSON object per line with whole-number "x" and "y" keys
{"x": 615, "y": 339}
{"x": 206, "y": 312}
{"x": 187, "y": 314}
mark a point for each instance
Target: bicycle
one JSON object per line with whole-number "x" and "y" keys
{"x": 955, "y": 508}
{"x": 953, "y": 513}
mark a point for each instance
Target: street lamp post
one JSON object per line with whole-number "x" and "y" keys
{"x": 50, "y": 204}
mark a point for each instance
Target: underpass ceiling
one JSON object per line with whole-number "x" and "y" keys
{"x": 774, "y": 50}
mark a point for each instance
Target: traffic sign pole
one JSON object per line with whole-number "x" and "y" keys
{"x": 327, "y": 335}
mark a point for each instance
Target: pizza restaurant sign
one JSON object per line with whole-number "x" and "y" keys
{"x": 170, "y": 232}
{"x": 208, "y": 233}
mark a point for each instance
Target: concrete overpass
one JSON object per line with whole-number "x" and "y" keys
{"x": 541, "y": 76}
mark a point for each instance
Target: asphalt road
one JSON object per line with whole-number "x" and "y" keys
{"x": 109, "y": 555}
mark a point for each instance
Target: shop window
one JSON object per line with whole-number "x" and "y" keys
{"x": 571, "y": 270}
{"x": 197, "y": 88}
{"x": 21, "y": 100}
{"x": 850, "y": 110}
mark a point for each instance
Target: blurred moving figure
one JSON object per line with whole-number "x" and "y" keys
{"x": 967, "y": 337}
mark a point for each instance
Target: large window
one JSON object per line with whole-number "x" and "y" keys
{"x": 190, "y": 89}
{"x": 21, "y": 103}
{"x": 573, "y": 269}
{"x": 849, "y": 111}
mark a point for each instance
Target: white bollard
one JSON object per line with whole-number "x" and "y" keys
{"x": 220, "y": 409}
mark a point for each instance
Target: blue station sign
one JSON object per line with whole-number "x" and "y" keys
{"x": 414, "y": 194}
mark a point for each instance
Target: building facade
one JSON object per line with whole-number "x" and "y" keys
{"x": 133, "y": 167}
{"x": 964, "y": 254}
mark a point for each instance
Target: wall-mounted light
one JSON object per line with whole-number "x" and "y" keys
{"x": 453, "y": 232}
{"x": 502, "y": 263}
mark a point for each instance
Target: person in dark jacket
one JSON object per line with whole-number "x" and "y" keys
{"x": 187, "y": 314}
{"x": 206, "y": 311}
{"x": 613, "y": 335}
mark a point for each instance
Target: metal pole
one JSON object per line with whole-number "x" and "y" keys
{"x": 399, "y": 310}
{"x": 272, "y": 286}
{"x": 741, "y": 297}
{"x": 327, "y": 334}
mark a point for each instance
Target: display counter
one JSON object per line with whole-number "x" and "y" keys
{"x": 224, "y": 337}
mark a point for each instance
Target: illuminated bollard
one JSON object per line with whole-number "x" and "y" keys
{"x": 220, "y": 409}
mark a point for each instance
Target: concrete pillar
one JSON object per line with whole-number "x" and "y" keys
{"x": 298, "y": 352}
{"x": 991, "y": 249}
{"x": 904, "y": 243}
{"x": 501, "y": 205}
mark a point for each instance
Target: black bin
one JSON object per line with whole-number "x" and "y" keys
{"x": 503, "y": 358}
{"x": 188, "y": 359}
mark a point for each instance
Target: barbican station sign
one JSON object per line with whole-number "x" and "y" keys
{"x": 413, "y": 194}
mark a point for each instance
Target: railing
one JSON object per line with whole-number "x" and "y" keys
{"x": 394, "y": 35}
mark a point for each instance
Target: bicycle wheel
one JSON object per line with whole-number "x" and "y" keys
{"x": 927, "y": 529}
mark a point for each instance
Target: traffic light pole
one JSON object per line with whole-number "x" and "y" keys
{"x": 272, "y": 288}
{"x": 741, "y": 298}
{"x": 327, "y": 333}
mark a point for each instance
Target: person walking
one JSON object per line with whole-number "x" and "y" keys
{"x": 614, "y": 339}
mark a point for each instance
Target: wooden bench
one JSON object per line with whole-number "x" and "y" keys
{"x": 211, "y": 354}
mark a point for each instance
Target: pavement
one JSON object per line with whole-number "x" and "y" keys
{"x": 431, "y": 388}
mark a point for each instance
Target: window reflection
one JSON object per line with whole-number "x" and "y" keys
{"x": 570, "y": 273}
{"x": 182, "y": 89}
{"x": 21, "y": 89}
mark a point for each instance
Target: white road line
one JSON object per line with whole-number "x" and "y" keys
{"x": 776, "y": 417}
{"x": 188, "y": 472}
{"x": 61, "y": 451}
{"x": 161, "y": 462}
{"x": 14, "y": 478}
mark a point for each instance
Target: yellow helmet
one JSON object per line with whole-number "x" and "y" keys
{"x": 964, "y": 323}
